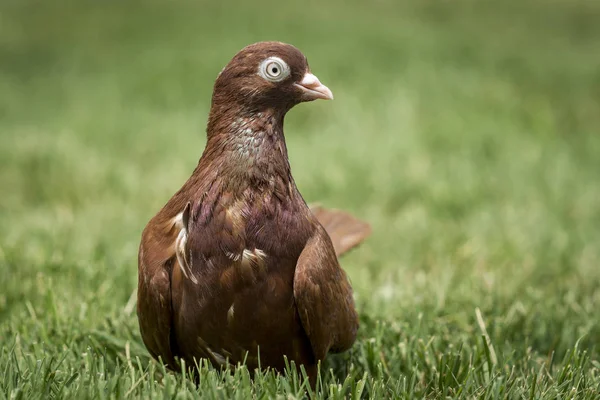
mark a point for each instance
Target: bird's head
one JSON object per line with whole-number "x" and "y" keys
{"x": 268, "y": 75}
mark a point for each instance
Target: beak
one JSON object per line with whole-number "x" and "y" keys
{"x": 313, "y": 89}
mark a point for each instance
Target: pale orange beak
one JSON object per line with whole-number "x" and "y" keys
{"x": 313, "y": 89}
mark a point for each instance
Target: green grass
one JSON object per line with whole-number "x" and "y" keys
{"x": 467, "y": 133}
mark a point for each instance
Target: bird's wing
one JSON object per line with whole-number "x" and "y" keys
{"x": 160, "y": 254}
{"x": 345, "y": 230}
{"x": 324, "y": 297}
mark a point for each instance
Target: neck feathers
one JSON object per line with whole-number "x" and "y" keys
{"x": 248, "y": 149}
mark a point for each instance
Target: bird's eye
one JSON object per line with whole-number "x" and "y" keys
{"x": 274, "y": 69}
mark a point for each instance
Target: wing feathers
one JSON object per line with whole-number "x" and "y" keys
{"x": 324, "y": 297}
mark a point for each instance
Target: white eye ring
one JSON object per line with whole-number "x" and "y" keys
{"x": 274, "y": 69}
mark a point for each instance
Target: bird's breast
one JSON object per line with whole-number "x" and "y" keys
{"x": 241, "y": 296}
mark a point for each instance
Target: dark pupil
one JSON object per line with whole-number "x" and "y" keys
{"x": 274, "y": 70}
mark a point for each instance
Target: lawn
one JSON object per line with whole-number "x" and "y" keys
{"x": 467, "y": 133}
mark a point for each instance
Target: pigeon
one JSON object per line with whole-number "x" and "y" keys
{"x": 236, "y": 268}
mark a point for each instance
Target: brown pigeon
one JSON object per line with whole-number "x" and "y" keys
{"x": 236, "y": 267}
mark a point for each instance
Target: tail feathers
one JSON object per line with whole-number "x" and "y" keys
{"x": 345, "y": 230}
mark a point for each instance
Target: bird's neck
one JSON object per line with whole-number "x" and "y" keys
{"x": 248, "y": 149}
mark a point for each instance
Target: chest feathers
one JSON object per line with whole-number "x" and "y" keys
{"x": 249, "y": 209}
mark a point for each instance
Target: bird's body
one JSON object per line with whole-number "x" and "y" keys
{"x": 236, "y": 266}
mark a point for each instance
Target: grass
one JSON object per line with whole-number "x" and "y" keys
{"x": 466, "y": 132}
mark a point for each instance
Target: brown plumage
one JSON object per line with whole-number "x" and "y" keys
{"x": 236, "y": 265}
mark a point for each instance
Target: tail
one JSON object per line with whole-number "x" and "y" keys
{"x": 344, "y": 230}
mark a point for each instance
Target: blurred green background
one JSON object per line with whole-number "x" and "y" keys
{"x": 466, "y": 132}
